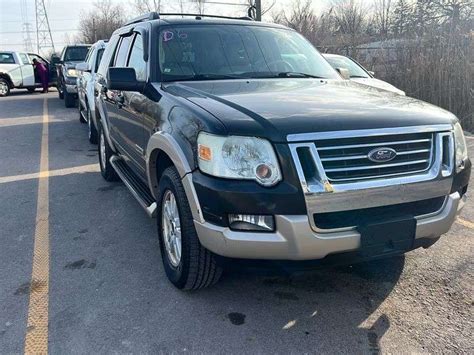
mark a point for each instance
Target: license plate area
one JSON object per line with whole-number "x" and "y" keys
{"x": 387, "y": 237}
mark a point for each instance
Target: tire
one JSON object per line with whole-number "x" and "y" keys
{"x": 4, "y": 88}
{"x": 60, "y": 93}
{"x": 31, "y": 90}
{"x": 196, "y": 267}
{"x": 81, "y": 113}
{"x": 105, "y": 153}
{"x": 69, "y": 100}
{"x": 92, "y": 130}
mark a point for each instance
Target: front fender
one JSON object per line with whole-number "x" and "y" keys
{"x": 163, "y": 142}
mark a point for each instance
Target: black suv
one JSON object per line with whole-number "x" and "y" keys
{"x": 245, "y": 143}
{"x": 67, "y": 74}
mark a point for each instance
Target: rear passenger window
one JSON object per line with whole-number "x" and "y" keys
{"x": 121, "y": 57}
{"x": 136, "y": 58}
{"x": 24, "y": 58}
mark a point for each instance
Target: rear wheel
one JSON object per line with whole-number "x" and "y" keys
{"x": 92, "y": 130}
{"x": 4, "y": 88}
{"x": 69, "y": 100}
{"x": 105, "y": 153}
{"x": 188, "y": 265}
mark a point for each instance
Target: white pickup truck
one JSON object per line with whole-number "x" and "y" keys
{"x": 16, "y": 71}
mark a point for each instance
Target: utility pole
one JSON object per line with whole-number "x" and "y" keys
{"x": 44, "y": 39}
{"x": 26, "y": 27}
{"x": 258, "y": 10}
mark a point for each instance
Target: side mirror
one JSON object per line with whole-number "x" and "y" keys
{"x": 84, "y": 67}
{"x": 371, "y": 73}
{"x": 344, "y": 73}
{"x": 123, "y": 79}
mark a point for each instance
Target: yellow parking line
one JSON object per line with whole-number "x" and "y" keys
{"x": 90, "y": 168}
{"x": 465, "y": 223}
{"x": 36, "y": 340}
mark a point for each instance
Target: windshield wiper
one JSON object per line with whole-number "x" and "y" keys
{"x": 359, "y": 76}
{"x": 290, "y": 74}
{"x": 207, "y": 76}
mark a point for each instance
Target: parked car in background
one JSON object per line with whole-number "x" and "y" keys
{"x": 17, "y": 72}
{"x": 86, "y": 72}
{"x": 358, "y": 73}
{"x": 67, "y": 74}
{"x": 245, "y": 143}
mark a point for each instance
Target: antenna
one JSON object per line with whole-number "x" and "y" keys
{"x": 44, "y": 39}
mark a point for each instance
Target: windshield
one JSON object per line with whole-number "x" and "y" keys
{"x": 233, "y": 51}
{"x": 75, "y": 54}
{"x": 355, "y": 71}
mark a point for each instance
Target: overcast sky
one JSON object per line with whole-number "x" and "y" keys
{"x": 64, "y": 17}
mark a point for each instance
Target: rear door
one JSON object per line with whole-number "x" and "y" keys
{"x": 125, "y": 112}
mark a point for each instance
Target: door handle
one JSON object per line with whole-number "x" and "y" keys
{"x": 120, "y": 99}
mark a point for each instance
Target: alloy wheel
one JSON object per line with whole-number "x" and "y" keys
{"x": 171, "y": 228}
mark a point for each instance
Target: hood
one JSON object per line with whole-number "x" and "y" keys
{"x": 71, "y": 65}
{"x": 380, "y": 84}
{"x": 274, "y": 108}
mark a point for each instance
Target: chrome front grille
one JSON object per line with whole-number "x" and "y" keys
{"x": 347, "y": 159}
{"x": 336, "y": 173}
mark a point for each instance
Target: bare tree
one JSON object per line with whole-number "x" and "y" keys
{"x": 100, "y": 22}
{"x": 200, "y": 5}
{"x": 350, "y": 21}
{"x": 144, "y": 6}
{"x": 401, "y": 17}
{"x": 383, "y": 16}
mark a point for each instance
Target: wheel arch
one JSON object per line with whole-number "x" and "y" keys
{"x": 8, "y": 79}
{"x": 164, "y": 151}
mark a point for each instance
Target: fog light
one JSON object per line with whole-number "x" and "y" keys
{"x": 251, "y": 222}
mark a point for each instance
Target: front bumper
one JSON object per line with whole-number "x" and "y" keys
{"x": 296, "y": 240}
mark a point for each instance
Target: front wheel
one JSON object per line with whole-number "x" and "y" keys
{"x": 105, "y": 153}
{"x": 188, "y": 265}
{"x": 4, "y": 88}
{"x": 69, "y": 99}
{"x": 92, "y": 130}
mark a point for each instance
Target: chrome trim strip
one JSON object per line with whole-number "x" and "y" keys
{"x": 365, "y": 156}
{"x": 301, "y": 137}
{"x": 374, "y": 144}
{"x": 381, "y": 166}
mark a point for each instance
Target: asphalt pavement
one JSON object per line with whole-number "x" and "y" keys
{"x": 108, "y": 292}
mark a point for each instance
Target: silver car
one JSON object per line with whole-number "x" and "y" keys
{"x": 85, "y": 87}
{"x": 358, "y": 73}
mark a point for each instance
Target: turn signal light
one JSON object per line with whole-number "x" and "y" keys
{"x": 204, "y": 152}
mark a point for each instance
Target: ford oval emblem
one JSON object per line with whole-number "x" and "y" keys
{"x": 382, "y": 155}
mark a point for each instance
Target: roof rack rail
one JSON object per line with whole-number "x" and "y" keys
{"x": 146, "y": 17}
{"x": 199, "y": 16}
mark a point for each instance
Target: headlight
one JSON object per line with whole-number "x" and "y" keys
{"x": 236, "y": 157}
{"x": 461, "y": 147}
{"x": 72, "y": 72}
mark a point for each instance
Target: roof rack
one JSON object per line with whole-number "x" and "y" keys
{"x": 155, "y": 16}
{"x": 199, "y": 16}
{"x": 146, "y": 17}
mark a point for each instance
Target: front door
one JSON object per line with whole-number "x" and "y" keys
{"x": 27, "y": 71}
